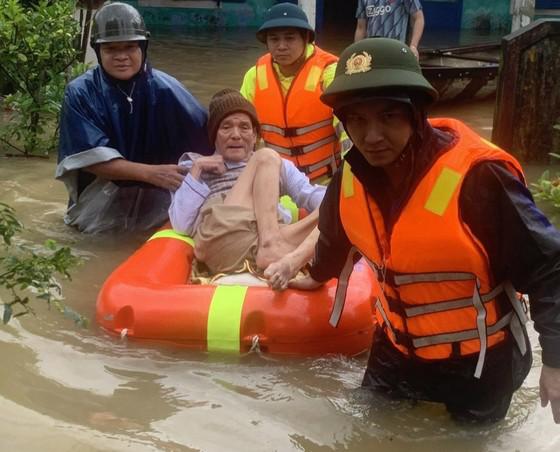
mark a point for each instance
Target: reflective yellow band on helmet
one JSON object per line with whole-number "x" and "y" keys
{"x": 347, "y": 181}
{"x": 262, "y": 78}
{"x": 171, "y": 234}
{"x": 443, "y": 191}
{"x": 313, "y": 78}
{"x": 224, "y": 319}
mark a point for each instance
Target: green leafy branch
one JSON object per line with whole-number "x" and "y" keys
{"x": 547, "y": 188}
{"x": 37, "y": 55}
{"x": 28, "y": 274}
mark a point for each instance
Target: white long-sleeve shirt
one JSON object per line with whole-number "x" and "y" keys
{"x": 187, "y": 201}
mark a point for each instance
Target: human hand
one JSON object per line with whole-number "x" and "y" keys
{"x": 279, "y": 274}
{"x": 169, "y": 177}
{"x": 209, "y": 164}
{"x": 305, "y": 283}
{"x": 415, "y": 52}
{"x": 550, "y": 390}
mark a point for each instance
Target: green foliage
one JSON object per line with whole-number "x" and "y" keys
{"x": 24, "y": 271}
{"x": 547, "y": 188}
{"x": 37, "y": 48}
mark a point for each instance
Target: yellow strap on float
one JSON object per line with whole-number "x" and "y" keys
{"x": 171, "y": 234}
{"x": 224, "y": 319}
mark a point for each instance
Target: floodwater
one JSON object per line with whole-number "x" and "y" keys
{"x": 67, "y": 388}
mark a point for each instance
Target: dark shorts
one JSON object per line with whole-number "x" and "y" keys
{"x": 452, "y": 381}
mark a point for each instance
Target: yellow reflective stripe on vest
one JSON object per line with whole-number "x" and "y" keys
{"x": 489, "y": 143}
{"x": 171, "y": 234}
{"x": 347, "y": 181}
{"x": 224, "y": 318}
{"x": 443, "y": 190}
{"x": 313, "y": 78}
{"x": 262, "y": 78}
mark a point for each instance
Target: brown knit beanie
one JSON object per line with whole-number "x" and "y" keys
{"x": 224, "y": 103}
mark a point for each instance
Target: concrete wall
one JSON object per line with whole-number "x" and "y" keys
{"x": 200, "y": 13}
{"x": 490, "y": 15}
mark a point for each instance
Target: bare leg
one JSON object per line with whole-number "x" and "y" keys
{"x": 279, "y": 273}
{"x": 258, "y": 187}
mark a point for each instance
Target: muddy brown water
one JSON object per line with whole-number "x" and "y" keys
{"x": 67, "y": 388}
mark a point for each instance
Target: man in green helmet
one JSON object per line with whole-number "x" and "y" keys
{"x": 285, "y": 86}
{"x": 446, "y": 221}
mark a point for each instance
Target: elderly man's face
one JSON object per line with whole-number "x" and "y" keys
{"x": 380, "y": 129}
{"x": 121, "y": 60}
{"x": 236, "y": 137}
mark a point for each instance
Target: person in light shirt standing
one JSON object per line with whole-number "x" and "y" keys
{"x": 390, "y": 19}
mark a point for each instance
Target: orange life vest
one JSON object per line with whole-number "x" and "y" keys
{"x": 440, "y": 299}
{"x": 298, "y": 126}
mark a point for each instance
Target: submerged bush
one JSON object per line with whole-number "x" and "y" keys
{"x": 29, "y": 275}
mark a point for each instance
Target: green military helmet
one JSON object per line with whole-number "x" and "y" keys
{"x": 116, "y": 22}
{"x": 285, "y": 15}
{"x": 377, "y": 67}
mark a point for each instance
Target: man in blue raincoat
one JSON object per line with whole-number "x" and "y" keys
{"x": 123, "y": 128}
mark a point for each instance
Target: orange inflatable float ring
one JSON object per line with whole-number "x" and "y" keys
{"x": 147, "y": 297}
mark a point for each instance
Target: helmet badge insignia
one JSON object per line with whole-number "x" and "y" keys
{"x": 358, "y": 63}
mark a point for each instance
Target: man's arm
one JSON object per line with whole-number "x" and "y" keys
{"x": 168, "y": 177}
{"x": 524, "y": 248}
{"x": 361, "y": 29}
{"x": 417, "y": 26}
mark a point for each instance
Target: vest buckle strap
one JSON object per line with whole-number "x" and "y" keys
{"x": 448, "y": 305}
{"x": 396, "y": 306}
{"x": 414, "y": 278}
{"x": 273, "y": 129}
{"x": 308, "y": 169}
{"x": 311, "y": 147}
{"x": 342, "y": 287}
{"x": 291, "y": 132}
{"x": 460, "y": 336}
{"x": 403, "y": 339}
{"x": 481, "y": 328}
{"x": 280, "y": 149}
{"x": 298, "y": 131}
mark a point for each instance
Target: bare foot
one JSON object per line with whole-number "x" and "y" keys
{"x": 272, "y": 250}
{"x": 279, "y": 273}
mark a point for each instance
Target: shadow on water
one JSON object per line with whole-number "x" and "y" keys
{"x": 67, "y": 388}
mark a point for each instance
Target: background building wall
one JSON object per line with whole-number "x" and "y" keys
{"x": 487, "y": 15}
{"x": 201, "y": 13}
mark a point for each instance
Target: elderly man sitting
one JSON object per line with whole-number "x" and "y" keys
{"x": 228, "y": 202}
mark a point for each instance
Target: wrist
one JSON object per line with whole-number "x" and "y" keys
{"x": 195, "y": 172}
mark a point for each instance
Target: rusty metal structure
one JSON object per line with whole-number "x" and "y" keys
{"x": 528, "y": 97}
